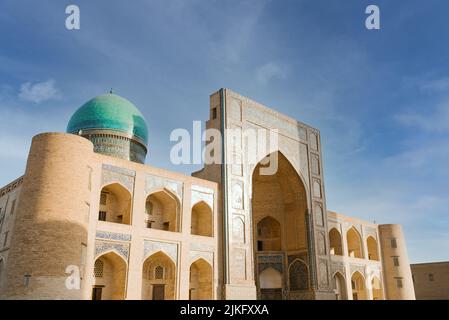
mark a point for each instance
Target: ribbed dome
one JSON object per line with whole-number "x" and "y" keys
{"x": 110, "y": 112}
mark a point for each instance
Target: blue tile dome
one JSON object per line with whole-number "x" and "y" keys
{"x": 110, "y": 112}
{"x": 114, "y": 126}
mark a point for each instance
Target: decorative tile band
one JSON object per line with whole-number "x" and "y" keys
{"x": 151, "y": 247}
{"x": 113, "y": 236}
{"x": 122, "y": 249}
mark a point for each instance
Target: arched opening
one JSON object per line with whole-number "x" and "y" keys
{"x": 270, "y": 283}
{"x": 200, "y": 280}
{"x": 162, "y": 211}
{"x": 358, "y": 286}
{"x": 340, "y": 287}
{"x": 376, "y": 287}
{"x": 335, "y": 242}
{"x": 115, "y": 204}
{"x": 268, "y": 235}
{"x": 109, "y": 277}
{"x": 354, "y": 244}
{"x": 201, "y": 223}
{"x": 158, "y": 277}
{"x": 298, "y": 276}
{"x": 279, "y": 207}
{"x": 372, "y": 248}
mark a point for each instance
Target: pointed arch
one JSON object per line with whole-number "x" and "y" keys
{"x": 279, "y": 202}
{"x": 298, "y": 275}
{"x": 158, "y": 277}
{"x": 201, "y": 219}
{"x": 354, "y": 243}
{"x": 110, "y": 271}
{"x": 339, "y": 286}
{"x": 281, "y": 157}
{"x": 201, "y": 280}
{"x": 336, "y": 247}
{"x": 270, "y": 278}
{"x": 371, "y": 244}
{"x": 376, "y": 288}
{"x": 162, "y": 210}
{"x": 115, "y": 204}
{"x": 358, "y": 286}
{"x": 268, "y": 234}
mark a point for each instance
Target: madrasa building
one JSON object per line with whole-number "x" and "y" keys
{"x": 90, "y": 220}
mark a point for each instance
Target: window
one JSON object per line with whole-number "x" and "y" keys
{"x": 259, "y": 246}
{"x": 394, "y": 243}
{"x": 98, "y": 268}
{"x": 431, "y": 277}
{"x": 149, "y": 223}
{"x": 399, "y": 283}
{"x": 214, "y": 113}
{"x": 102, "y": 216}
{"x": 13, "y": 206}
{"x": 159, "y": 273}
{"x": 396, "y": 261}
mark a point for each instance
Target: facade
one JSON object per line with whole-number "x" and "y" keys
{"x": 89, "y": 220}
{"x": 431, "y": 280}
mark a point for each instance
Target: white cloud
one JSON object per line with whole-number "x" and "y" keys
{"x": 39, "y": 92}
{"x": 270, "y": 71}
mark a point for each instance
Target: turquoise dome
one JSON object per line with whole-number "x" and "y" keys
{"x": 110, "y": 112}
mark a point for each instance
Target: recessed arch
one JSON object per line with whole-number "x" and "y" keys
{"x": 110, "y": 271}
{"x": 373, "y": 253}
{"x": 281, "y": 158}
{"x": 268, "y": 234}
{"x": 358, "y": 286}
{"x": 279, "y": 203}
{"x": 354, "y": 241}
{"x": 158, "y": 277}
{"x": 376, "y": 288}
{"x": 339, "y": 286}
{"x": 115, "y": 204}
{"x": 162, "y": 211}
{"x": 201, "y": 219}
{"x": 270, "y": 278}
{"x": 298, "y": 275}
{"x": 200, "y": 280}
{"x": 335, "y": 241}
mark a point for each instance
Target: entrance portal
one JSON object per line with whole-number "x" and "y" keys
{"x": 279, "y": 207}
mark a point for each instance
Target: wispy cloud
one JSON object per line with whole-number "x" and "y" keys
{"x": 269, "y": 71}
{"x": 435, "y": 121}
{"x": 441, "y": 84}
{"x": 39, "y": 92}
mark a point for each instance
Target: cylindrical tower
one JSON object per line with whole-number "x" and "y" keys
{"x": 50, "y": 232}
{"x": 397, "y": 272}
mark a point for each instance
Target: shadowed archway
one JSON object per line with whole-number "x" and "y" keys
{"x": 279, "y": 207}
{"x": 110, "y": 277}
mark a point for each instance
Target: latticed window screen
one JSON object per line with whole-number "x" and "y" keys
{"x": 98, "y": 268}
{"x": 159, "y": 272}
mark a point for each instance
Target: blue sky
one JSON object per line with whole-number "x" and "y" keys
{"x": 380, "y": 98}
